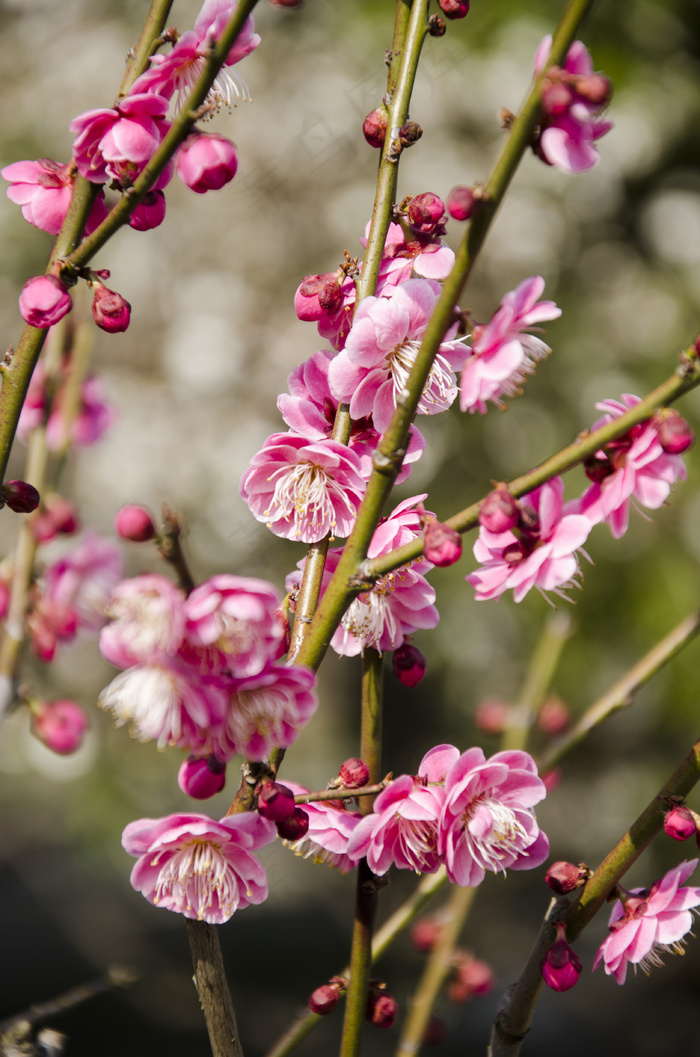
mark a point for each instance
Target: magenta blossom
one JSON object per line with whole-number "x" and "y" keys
{"x": 543, "y": 555}
{"x": 502, "y": 354}
{"x": 84, "y": 579}
{"x": 649, "y": 923}
{"x": 303, "y": 490}
{"x": 425, "y": 255}
{"x": 487, "y": 821}
{"x": 403, "y": 827}
{"x": 198, "y": 867}
{"x": 562, "y": 966}
{"x": 44, "y": 301}
{"x": 206, "y": 161}
{"x": 266, "y": 712}
{"x": 635, "y": 466}
{"x": 572, "y": 99}
{"x": 331, "y": 825}
{"x": 381, "y": 348}
{"x": 61, "y": 725}
{"x": 43, "y": 189}
{"x": 147, "y": 622}
{"x": 117, "y": 143}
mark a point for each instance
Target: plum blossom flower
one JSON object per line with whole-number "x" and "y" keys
{"x": 198, "y": 867}
{"x": 303, "y": 490}
{"x": 541, "y": 555}
{"x": 331, "y": 825}
{"x": 147, "y": 621}
{"x": 179, "y": 70}
{"x": 83, "y": 580}
{"x": 502, "y": 354}
{"x": 61, "y": 725}
{"x": 403, "y": 827}
{"x": 649, "y": 923}
{"x": 634, "y": 466}
{"x": 118, "y": 143}
{"x": 43, "y": 189}
{"x": 487, "y": 821}
{"x": 381, "y": 348}
{"x": 572, "y": 100}
{"x": 309, "y": 409}
{"x": 266, "y": 711}
{"x": 425, "y": 255}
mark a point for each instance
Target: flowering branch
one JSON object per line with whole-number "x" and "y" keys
{"x": 343, "y": 794}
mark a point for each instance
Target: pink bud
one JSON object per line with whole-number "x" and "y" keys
{"x": 491, "y": 715}
{"x": 425, "y": 933}
{"x": 461, "y": 203}
{"x": 134, "y": 523}
{"x": 442, "y": 544}
{"x": 675, "y": 434}
{"x": 201, "y": 777}
{"x": 454, "y": 8}
{"x": 556, "y": 97}
{"x": 294, "y": 828}
{"x": 354, "y": 773}
{"x": 595, "y": 88}
{"x": 149, "y": 213}
{"x": 110, "y": 310}
{"x": 381, "y": 1009}
{"x": 564, "y": 877}
{"x": 63, "y": 514}
{"x": 275, "y": 801}
{"x": 206, "y": 161}
{"x": 425, "y": 212}
{"x": 561, "y": 968}
{"x": 324, "y": 999}
{"x": 60, "y": 725}
{"x": 470, "y": 977}
{"x": 44, "y": 301}
{"x": 554, "y": 717}
{"x": 409, "y": 664}
{"x": 20, "y": 496}
{"x": 374, "y": 127}
{"x": 499, "y": 511}
{"x": 680, "y": 823}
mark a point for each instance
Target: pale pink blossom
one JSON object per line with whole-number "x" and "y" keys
{"x": 331, "y": 825}
{"x": 634, "y": 467}
{"x": 487, "y": 821}
{"x": 543, "y": 555}
{"x": 329, "y": 301}
{"x": 43, "y": 189}
{"x": 147, "y": 621}
{"x": 206, "y": 161}
{"x": 309, "y": 409}
{"x": 302, "y": 489}
{"x": 502, "y": 353}
{"x": 168, "y": 703}
{"x": 84, "y": 578}
{"x": 266, "y": 711}
{"x": 403, "y": 827}
{"x": 119, "y": 142}
{"x": 198, "y": 867}
{"x": 649, "y": 923}
{"x": 234, "y": 621}
{"x": 573, "y": 123}
{"x": 381, "y": 348}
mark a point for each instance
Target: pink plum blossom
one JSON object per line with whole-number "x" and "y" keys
{"x": 501, "y": 354}
{"x": 234, "y": 622}
{"x": 266, "y": 711}
{"x": 198, "y": 867}
{"x": 206, "y": 161}
{"x": 147, "y": 622}
{"x": 649, "y": 923}
{"x": 309, "y": 409}
{"x": 331, "y": 825}
{"x": 302, "y": 489}
{"x": 44, "y": 301}
{"x": 43, "y": 189}
{"x": 118, "y": 143}
{"x": 84, "y": 578}
{"x": 487, "y": 821}
{"x": 381, "y": 348}
{"x": 571, "y": 111}
{"x": 634, "y": 466}
{"x": 61, "y": 725}
{"x": 329, "y": 301}
{"x": 403, "y": 827}
{"x": 541, "y": 556}
{"x": 179, "y": 70}
{"x": 425, "y": 255}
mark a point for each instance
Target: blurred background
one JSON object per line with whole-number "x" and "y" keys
{"x": 194, "y": 383}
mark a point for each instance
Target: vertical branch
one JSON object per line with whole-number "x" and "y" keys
{"x": 366, "y": 900}
{"x": 214, "y": 995}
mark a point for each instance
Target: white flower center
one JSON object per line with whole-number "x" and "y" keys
{"x": 196, "y": 877}
{"x": 309, "y": 494}
{"x": 502, "y": 840}
{"x": 228, "y": 89}
{"x": 440, "y": 389}
{"x": 146, "y": 622}
{"x": 255, "y": 711}
{"x": 370, "y": 615}
{"x": 150, "y": 699}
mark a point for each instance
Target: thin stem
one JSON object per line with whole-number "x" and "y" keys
{"x": 366, "y": 899}
{"x": 309, "y": 592}
{"x": 342, "y": 794}
{"x": 543, "y": 662}
{"x": 146, "y": 45}
{"x": 621, "y": 695}
{"x": 214, "y": 995}
{"x": 170, "y": 548}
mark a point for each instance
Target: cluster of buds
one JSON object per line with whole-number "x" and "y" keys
{"x": 469, "y": 975}
{"x": 674, "y": 436}
{"x": 276, "y": 804}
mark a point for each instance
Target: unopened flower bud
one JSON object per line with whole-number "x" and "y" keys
{"x": 294, "y": 828}
{"x": 110, "y": 310}
{"x": 442, "y": 544}
{"x": 134, "y": 523}
{"x": 374, "y": 127}
{"x": 206, "y": 161}
{"x": 461, "y": 203}
{"x": 381, "y": 1009}
{"x": 436, "y": 26}
{"x": 202, "y": 777}
{"x": 499, "y": 511}
{"x": 44, "y": 301}
{"x": 410, "y": 133}
{"x": 470, "y": 977}
{"x": 425, "y": 212}
{"x": 63, "y": 513}
{"x": 492, "y": 715}
{"x": 60, "y": 725}
{"x": 20, "y": 496}
{"x": 149, "y": 213}
{"x": 561, "y": 968}
{"x": 595, "y": 88}
{"x": 325, "y": 998}
{"x": 554, "y": 717}
{"x": 409, "y": 664}
{"x": 680, "y": 823}
{"x": 597, "y": 467}
{"x": 564, "y": 877}
{"x": 454, "y": 8}
{"x": 675, "y": 434}
{"x": 275, "y": 801}
{"x": 556, "y": 97}
{"x": 354, "y": 773}
{"x": 425, "y": 933}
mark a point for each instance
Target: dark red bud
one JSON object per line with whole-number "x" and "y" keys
{"x": 410, "y": 133}
{"x": 564, "y": 877}
{"x": 110, "y": 310}
{"x": 381, "y": 1009}
{"x": 409, "y": 664}
{"x": 425, "y": 212}
{"x": 324, "y": 999}
{"x": 63, "y": 514}
{"x": 461, "y": 203}
{"x": 597, "y": 467}
{"x": 499, "y": 511}
{"x": 276, "y": 802}
{"x": 436, "y": 26}
{"x": 20, "y": 496}
{"x": 442, "y": 544}
{"x": 296, "y": 827}
{"x": 562, "y": 967}
{"x": 354, "y": 773}
{"x": 454, "y": 8}
{"x": 374, "y": 127}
